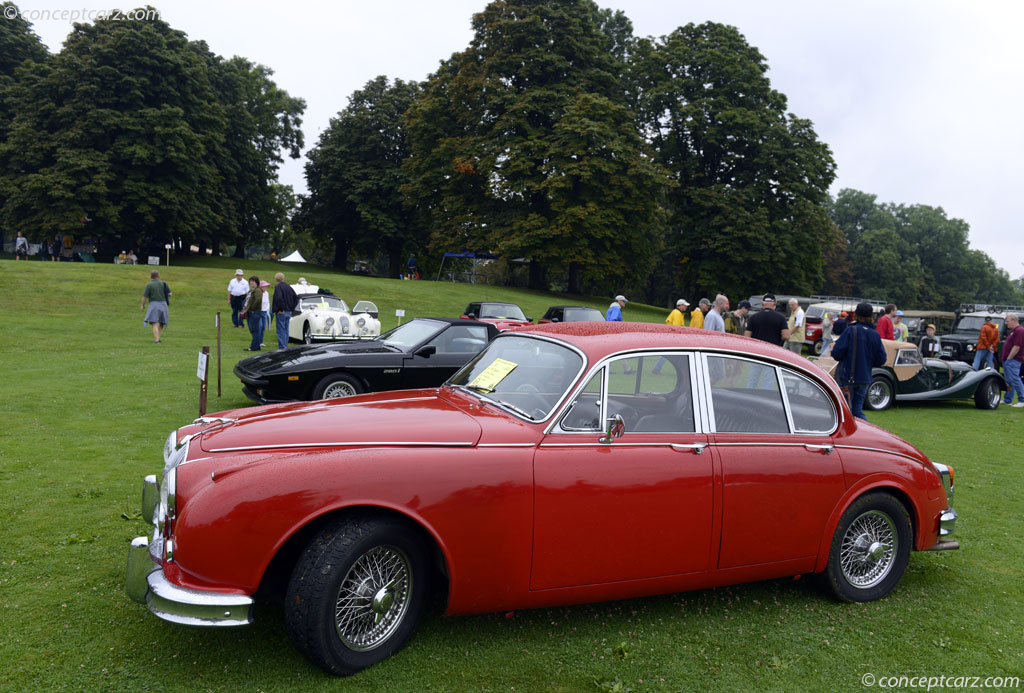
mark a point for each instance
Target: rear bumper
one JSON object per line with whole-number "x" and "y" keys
{"x": 145, "y": 583}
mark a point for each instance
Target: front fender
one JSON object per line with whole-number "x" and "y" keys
{"x": 877, "y": 482}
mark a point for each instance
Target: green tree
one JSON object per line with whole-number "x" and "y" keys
{"x": 915, "y": 255}
{"x": 150, "y": 136}
{"x": 115, "y": 127}
{"x": 355, "y": 176}
{"x": 749, "y": 211}
{"x": 523, "y": 144}
{"x": 18, "y": 42}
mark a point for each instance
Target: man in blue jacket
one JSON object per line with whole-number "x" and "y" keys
{"x": 858, "y": 350}
{"x": 615, "y": 309}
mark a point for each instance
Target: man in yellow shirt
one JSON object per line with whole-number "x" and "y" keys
{"x": 678, "y": 314}
{"x": 697, "y": 316}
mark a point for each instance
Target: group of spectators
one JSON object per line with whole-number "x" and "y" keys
{"x": 854, "y": 340}
{"x": 251, "y": 305}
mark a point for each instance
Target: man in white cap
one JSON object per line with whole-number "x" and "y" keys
{"x": 678, "y": 315}
{"x": 615, "y": 309}
{"x": 237, "y": 289}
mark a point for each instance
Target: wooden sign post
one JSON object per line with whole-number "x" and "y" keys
{"x": 218, "y": 353}
{"x": 203, "y": 373}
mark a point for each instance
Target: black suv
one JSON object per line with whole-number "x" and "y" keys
{"x": 959, "y": 344}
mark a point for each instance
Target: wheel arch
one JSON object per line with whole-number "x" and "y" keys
{"x": 884, "y": 485}
{"x": 275, "y": 577}
{"x": 341, "y": 371}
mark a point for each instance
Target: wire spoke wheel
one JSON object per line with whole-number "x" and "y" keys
{"x": 340, "y": 388}
{"x": 373, "y": 598}
{"x": 868, "y": 549}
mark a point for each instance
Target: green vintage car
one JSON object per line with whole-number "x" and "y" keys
{"x": 909, "y": 377}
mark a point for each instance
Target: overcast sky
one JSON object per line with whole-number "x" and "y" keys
{"x": 921, "y": 101}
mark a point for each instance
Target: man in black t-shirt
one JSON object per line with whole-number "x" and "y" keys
{"x": 768, "y": 325}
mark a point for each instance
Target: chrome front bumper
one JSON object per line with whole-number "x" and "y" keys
{"x": 146, "y": 583}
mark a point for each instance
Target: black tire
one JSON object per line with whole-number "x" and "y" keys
{"x": 880, "y": 394}
{"x": 356, "y": 594}
{"x": 817, "y": 347}
{"x": 988, "y": 394}
{"x": 307, "y": 337}
{"x": 337, "y": 385}
{"x": 870, "y": 549}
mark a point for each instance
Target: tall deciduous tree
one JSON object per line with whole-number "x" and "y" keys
{"x": 355, "y": 176}
{"x": 150, "y": 136}
{"x": 524, "y": 145}
{"x": 116, "y": 128}
{"x": 749, "y": 211}
{"x": 915, "y": 255}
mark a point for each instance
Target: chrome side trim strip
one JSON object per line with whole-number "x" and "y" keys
{"x": 888, "y": 452}
{"x": 506, "y": 445}
{"x": 596, "y": 444}
{"x": 363, "y": 443}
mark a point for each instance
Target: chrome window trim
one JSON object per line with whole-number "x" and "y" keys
{"x": 602, "y": 371}
{"x": 604, "y": 363}
{"x": 703, "y": 404}
{"x": 835, "y": 414}
{"x": 552, "y": 414}
{"x": 506, "y": 445}
{"x": 779, "y": 368}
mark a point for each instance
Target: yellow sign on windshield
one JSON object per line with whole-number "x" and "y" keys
{"x": 493, "y": 374}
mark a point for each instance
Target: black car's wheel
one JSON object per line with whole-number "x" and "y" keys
{"x": 880, "y": 395}
{"x": 307, "y": 336}
{"x": 356, "y": 594}
{"x": 870, "y": 549}
{"x": 337, "y": 385}
{"x": 988, "y": 394}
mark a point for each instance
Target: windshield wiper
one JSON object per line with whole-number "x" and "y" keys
{"x": 479, "y": 388}
{"x": 516, "y": 409}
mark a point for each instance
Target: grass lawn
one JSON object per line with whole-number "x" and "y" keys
{"x": 88, "y": 399}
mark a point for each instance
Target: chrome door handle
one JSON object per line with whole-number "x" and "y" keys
{"x": 695, "y": 448}
{"x": 825, "y": 449}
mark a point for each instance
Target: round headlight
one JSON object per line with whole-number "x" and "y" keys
{"x": 329, "y": 322}
{"x": 361, "y": 322}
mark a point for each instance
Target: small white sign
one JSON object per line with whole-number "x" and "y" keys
{"x": 167, "y": 246}
{"x": 216, "y": 320}
{"x": 154, "y": 260}
{"x": 201, "y": 372}
{"x": 400, "y": 312}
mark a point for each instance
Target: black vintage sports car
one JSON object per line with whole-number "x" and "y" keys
{"x": 423, "y": 352}
{"x": 909, "y": 377}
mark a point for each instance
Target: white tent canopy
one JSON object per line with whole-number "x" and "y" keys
{"x": 294, "y": 257}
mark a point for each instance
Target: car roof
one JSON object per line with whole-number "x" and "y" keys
{"x": 496, "y": 303}
{"x": 590, "y": 307}
{"x": 460, "y": 321}
{"x": 600, "y": 339}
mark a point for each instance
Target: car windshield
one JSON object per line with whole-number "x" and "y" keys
{"x": 501, "y": 311}
{"x": 411, "y": 333}
{"x": 524, "y": 375}
{"x": 322, "y": 301}
{"x": 817, "y": 311}
{"x": 582, "y": 314}
{"x": 973, "y": 323}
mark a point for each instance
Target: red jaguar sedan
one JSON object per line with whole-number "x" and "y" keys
{"x": 566, "y": 463}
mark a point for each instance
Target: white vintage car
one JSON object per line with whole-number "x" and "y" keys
{"x": 325, "y": 317}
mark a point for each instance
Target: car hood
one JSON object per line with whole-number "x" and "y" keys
{"x": 410, "y": 417}
{"x": 311, "y": 355}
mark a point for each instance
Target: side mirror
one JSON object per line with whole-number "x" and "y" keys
{"x": 554, "y": 319}
{"x": 616, "y": 427}
{"x": 471, "y": 316}
{"x": 529, "y": 319}
{"x": 426, "y": 350}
